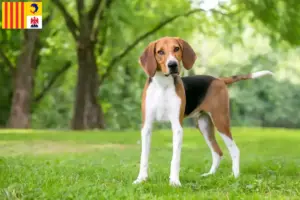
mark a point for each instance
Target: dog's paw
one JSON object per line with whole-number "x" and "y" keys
{"x": 175, "y": 183}
{"x": 207, "y": 174}
{"x": 236, "y": 174}
{"x": 235, "y": 171}
{"x": 140, "y": 180}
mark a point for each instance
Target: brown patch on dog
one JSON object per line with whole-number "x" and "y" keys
{"x": 188, "y": 56}
{"x": 212, "y": 137}
{"x": 147, "y": 60}
{"x": 233, "y": 79}
{"x": 144, "y": 100}
{"x": 181, "y": 94}
{"x": 216, "y": 102}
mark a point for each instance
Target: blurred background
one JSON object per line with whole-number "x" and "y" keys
{"x": 81, "y": 70}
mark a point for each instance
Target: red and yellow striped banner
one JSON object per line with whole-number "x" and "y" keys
{"x": 15, "y": 14}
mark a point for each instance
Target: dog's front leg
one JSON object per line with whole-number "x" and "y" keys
{"x": 146, "y": 142}
{"x": 175, "y": 163}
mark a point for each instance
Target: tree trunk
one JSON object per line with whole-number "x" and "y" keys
{"x": 23, "y": 83}
{"x": 88, "y": 113}
{"x": 94, "y": 116}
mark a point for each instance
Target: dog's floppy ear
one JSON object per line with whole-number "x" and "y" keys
{"x": 188, "y": 55}
{"x": 148, "y": 61}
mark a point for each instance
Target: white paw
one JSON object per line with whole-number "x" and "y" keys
{"x": 140, "y": 180}
{"x": 175, "y": 183}
{"x": 236, "y": 171}
{"x": 236, "y": 174}
{"x": 207, "y": 174}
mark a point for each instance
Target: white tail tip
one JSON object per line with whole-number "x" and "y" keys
{"x": 261, "y": 73}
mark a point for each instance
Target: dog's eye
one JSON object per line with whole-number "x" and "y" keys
{"x": 176, "y": 49}
{"x": 161, "y": 52}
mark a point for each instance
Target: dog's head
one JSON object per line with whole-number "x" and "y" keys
{"x": 165, "y": 55}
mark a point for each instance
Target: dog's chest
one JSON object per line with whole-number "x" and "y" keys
{"x": 162, "y": 102}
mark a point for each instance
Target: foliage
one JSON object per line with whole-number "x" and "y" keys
{"x": 102, "y": 165}
{"x": 5, "y": 95}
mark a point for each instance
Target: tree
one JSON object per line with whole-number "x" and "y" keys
{"x": 87, "y": 111}
{"x": 91, "y": 29}
{"x": 22, "y": 72}
{"x": 23, "y": 84}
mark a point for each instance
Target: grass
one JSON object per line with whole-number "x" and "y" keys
{"x": 102, "y": 165}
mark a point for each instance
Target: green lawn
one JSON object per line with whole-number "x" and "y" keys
{"x": 102, "y": 165}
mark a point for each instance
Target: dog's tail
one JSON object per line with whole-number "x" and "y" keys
{"x": 233, "y": 79}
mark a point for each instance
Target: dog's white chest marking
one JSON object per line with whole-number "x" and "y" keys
{"x": 162, "y": 102}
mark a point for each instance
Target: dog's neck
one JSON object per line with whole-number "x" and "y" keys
{"x": 163, "y": 81}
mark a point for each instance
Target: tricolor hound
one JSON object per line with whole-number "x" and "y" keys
{"x": 168, "y": 97}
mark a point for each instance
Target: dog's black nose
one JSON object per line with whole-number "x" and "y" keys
{"x": 172, "y": 65}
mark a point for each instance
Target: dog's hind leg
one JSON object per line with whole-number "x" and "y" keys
{"x": 222, "y": 123}
{"x": 207, "y": 129}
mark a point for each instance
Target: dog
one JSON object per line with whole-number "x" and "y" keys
{"x": 168, "y": 97}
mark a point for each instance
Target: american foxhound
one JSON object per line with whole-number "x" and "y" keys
{"x": 167, "y": 97}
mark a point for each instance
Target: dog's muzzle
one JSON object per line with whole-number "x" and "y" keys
{"x": 173, "y": 67}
